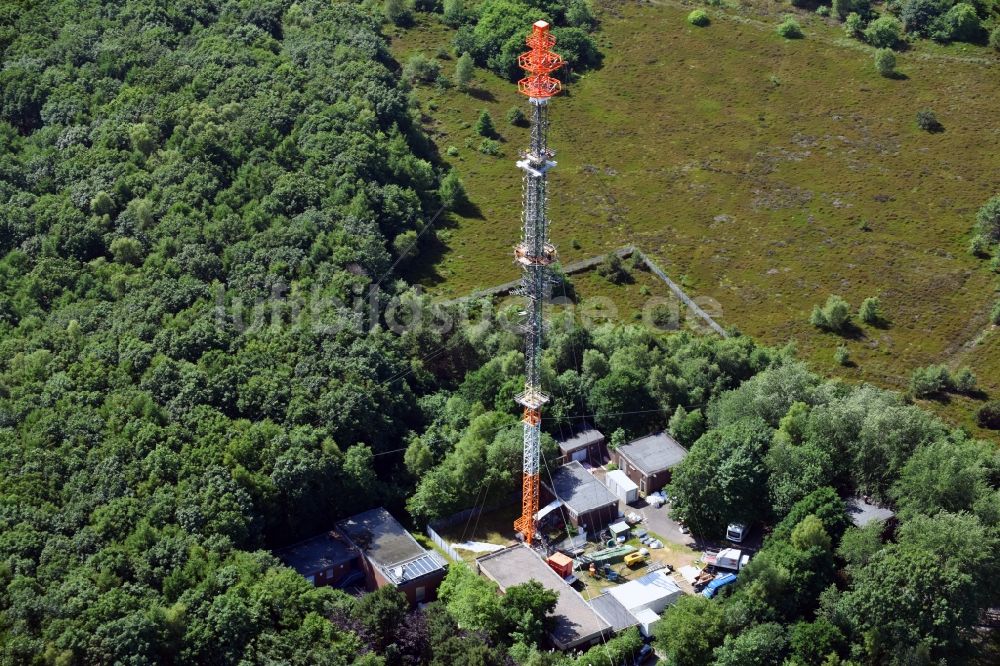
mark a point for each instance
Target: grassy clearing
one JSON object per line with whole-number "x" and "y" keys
{"x": 495, "y": 527}
{"x": 769, "y": 172}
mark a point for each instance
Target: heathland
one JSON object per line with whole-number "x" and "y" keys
{"x": 766, "y": 173}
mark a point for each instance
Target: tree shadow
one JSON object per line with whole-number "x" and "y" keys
{"x": 976, "y": 394}
{"x": 939, "y": 397}
{"x": 469, "y": 209}
{"x": 897, "y": 76}
{"x": 423, "y": 268}
{"x": 850, "y": 331}
{"x": 481, "y": 95}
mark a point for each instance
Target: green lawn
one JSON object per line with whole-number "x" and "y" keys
{"x": 749, "y": 164}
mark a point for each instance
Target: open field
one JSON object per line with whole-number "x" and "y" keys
{"x": 768, "y": 173}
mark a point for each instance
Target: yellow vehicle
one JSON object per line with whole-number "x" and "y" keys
{"x": 635, "y": 559}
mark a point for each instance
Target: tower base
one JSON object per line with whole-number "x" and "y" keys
{"x": 529, "y": 507}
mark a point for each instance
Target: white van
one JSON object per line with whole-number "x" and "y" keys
{"x": 736, "y": 532}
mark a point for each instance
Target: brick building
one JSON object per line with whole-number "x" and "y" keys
{"x": 648, "y": 460}
{"x": 393, "y": 557}
{"x": 325, "y": 559}
{"x": 586, "y": 501}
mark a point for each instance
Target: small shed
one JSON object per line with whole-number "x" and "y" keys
{"x": 646, "y": 619}
{"x": 561, "y": 564}
{"x": 619, "y": 529}
{"x": 619, "y": 483}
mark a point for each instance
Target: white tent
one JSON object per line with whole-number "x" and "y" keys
{"x": 654, "y": 591}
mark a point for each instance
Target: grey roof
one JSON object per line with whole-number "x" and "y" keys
{"x": 575, "y": 621}
{"x": 581, "y": 439}
{"x": 318, "y": 553}
{"x": 613, "y": 612}
{"x": 862, "y": 512}
{"x": 389, "y": 546}
{"x": 579, "y": 490}
{"x": 653, "y": 453}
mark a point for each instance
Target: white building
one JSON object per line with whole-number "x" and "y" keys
{"x": 622, "y": 486}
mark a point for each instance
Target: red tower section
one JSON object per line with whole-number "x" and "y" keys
{"x": 539, "y": 62}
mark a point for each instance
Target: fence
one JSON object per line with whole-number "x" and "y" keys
{"x": 442, "y": 544}
{"x": 584, "y": 264}
{"x": 567, "y": 269}
{"x": 461, "y": 517}
{"x": 681, "y": 295}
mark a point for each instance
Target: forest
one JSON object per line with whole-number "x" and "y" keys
{"x": 205, "y": 205}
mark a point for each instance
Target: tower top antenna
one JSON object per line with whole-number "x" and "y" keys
{"x": 538, "y": 63}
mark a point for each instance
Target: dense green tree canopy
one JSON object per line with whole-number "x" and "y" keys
{"x": 187, "y": 190}
{"x": 905, "y": 592}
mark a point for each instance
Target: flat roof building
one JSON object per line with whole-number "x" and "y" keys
{"x": 576, "y": 624}
{"x": 393, "y": 557}
{"x": 587, "y": 502}
{"x": 587, "y": 445}
{"x": 612, "y": 611}
{"x": 325, "y": 559}
{"x": 647, "y": 597}
{"x": 647, "y": 461}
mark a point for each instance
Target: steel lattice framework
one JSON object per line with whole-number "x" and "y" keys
{"x": 535, "y": 254}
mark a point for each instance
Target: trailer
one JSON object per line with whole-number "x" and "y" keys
{"x": 607, "y": 556}
{"x": 713, "y": 588}
{"x": 732, "y": 559}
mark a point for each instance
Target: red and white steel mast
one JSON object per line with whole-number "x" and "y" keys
{"x": 535, "y": 253}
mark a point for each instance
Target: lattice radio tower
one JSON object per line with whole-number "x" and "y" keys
{"x": 535, "y": 253}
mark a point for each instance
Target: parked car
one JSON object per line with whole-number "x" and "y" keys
{"x": 644, "y": 654}
{"x": 736, "y": 532}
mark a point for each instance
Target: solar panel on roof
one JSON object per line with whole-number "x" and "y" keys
{"x": 415, "y": 568}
